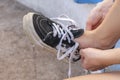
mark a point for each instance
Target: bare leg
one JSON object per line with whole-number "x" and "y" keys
{"x": 104, "y": 76}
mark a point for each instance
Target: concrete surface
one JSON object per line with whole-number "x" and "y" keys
{"x": 19, "y": 60}
{"x": 77, "y": 12}
{"x": 54, "y": 8}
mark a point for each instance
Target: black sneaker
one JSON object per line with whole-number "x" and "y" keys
{"x": 53, "y": 35}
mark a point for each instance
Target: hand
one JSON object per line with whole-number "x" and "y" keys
{"x": 102, "y": 37}
{"x": 97, "y": 14}
{"x": 94, "y": 40}
{"x": 94, "y": 59}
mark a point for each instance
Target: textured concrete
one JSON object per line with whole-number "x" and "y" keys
{"x": 78, "y": 12}
{"x": 19, "y": 60}
{"x": 54, "y": 8}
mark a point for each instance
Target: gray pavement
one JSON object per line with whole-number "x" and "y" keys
{"x": 19, "y": 60}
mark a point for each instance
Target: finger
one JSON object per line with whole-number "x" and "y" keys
{"x": 97, "y": 24}
{"x": 76, "y": 39}
{"x": 97, "y": 19}
{"x": 82, "y": 52}
{"x": 80, "y": 40}
{"x": 96, "y": 68}
{"x": 93, "y": 20}
{"x": 86, "y": 51}
{"x": 89, "y": 23}
{"x": 88, "y": 26}
{"x": 82, "y": 59}
{"x": 84, "y": 64}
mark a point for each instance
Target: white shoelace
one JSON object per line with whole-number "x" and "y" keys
{"x": 64, "y": 33}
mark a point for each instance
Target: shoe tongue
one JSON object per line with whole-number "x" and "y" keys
{"x": 77, "y": 33}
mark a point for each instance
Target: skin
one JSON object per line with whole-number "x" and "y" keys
{"x": 102, "y": 34}
{"x": 104, "y": 76}
{"x": 98, "y": 14}
{"x": 105, "y": 35}
{"x": 95, "y": 59}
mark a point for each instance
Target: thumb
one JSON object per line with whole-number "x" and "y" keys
{"x": 88, "y": 26}
{"x": 89, "y": 23}
{"x": 82, "y": 52}
{"x": 82, "y": 41}
{"x": 77, "y": 40}
{"x": 82, "y": 55}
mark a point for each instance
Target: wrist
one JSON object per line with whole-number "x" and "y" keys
{"x": 115, "y": 55}
{"x": 111, "y": 57}
{"x": 104, "y": 58}
{"x": 108, "y": 58}
{"x": 105, "y": 40}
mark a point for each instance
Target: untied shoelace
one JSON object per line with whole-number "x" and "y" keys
{"x": 64, "y": 33}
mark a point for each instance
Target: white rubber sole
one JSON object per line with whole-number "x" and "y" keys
{"x": 30, "y": 31}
